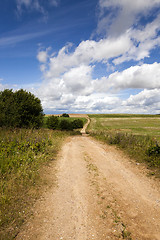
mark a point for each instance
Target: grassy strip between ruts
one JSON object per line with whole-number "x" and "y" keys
{"x": 22, "y": 155}
{"x": 129, "y": 135}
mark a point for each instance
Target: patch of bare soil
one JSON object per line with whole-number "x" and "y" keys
{"x": 99, "y": 194}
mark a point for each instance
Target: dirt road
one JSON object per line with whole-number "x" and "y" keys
{"x": 99, "y": 194}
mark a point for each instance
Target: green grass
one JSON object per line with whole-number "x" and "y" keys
{"x": 122, "y": 115}
{"x": 138, "y": 135}
{"x": 23, "y": 153}
{"x": 139, "y": 126}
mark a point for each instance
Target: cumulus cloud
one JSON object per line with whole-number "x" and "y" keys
{"x": 42, "y": 56}
{"x": 87, "y": 52}
{"x": 147, "y": 101}
{"x": 138, "y": 77}
{"x": 143, "y": 41}
{"x": 119, "y": 15}
{"x": 68, "y": 75}
{"x": 134, "y": 44}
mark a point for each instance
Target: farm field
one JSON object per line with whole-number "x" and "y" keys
{"x": 135, "y": 124}
{"x": 137, "y": 135}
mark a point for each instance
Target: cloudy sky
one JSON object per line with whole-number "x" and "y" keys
{"x": 86, "y": 56}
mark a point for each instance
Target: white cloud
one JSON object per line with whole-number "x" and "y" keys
{"x": 87, "y": 52}
{"x": 78, "y": 80}
{"x": 147, "y": 101}
{"x": 77, "y": 91}
{"x": 138, "y": 77}
{"x": 68, "y": 74}
{"x": 143, "y": 41}
{"x": 42, "y": 56}
{"x": 119, "y": 15}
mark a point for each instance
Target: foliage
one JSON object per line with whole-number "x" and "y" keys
{"x": 23, "y": 152}
{"x": 65, "y": 125}
{"x": 77, "y": 123}
{"x": 20, "y": 109}
{"x": 52, "y": 122}
{"x": 65, "y": 115}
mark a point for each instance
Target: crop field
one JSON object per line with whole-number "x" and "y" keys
{"x": 135, "y": 124}
{"x": 138, "y": 135}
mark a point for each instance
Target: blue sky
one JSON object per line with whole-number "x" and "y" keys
{"x": 85, "y": 56}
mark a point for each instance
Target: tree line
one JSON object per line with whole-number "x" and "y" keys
{"x": 21, "y": 109}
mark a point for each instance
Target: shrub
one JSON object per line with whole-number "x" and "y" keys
{"x": 77, "y": 123}
{"x": 52, "y": 122}
{"x": 65, "y": 125}
{"x": 65, "y": 115}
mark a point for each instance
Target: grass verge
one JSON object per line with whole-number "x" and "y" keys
{"x": 141, "y": 148}
{"x": 139, "y": 138}
{"x": 22, "y": 155}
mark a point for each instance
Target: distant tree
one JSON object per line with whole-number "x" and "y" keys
{"x": 65, "y": 115}
{"x": 20, "y": 109}
{"x": 52, "y": 122}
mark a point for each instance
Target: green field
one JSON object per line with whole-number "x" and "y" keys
{"x": 135, "y": 124}
{"x": 137, "y": 135}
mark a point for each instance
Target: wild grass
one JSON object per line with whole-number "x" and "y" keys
{"x": 138, "y": 136}
{"x": 22, "y": 155}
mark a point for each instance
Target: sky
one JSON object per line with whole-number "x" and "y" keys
{"x": 83, "y": 56}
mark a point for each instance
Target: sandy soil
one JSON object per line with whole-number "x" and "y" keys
{"x": 99, "y": 194}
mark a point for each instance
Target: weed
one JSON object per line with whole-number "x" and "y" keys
{"x": 22, "y": 154}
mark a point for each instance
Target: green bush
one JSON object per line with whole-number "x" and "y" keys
{"x": 77, "y": 123}
{"x": 65, "y": 115}
{"x": 65, "y": 125}
{"x": 20, "y": 109}
{"x": 52, "y": 122}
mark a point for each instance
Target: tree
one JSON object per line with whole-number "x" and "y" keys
{"x": 20, "y": 109}
{"x": 65, "y": 115}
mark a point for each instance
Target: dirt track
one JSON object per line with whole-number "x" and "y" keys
{"x": 99, "y": 194}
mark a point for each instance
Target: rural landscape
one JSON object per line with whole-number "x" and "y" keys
{"x": 80, "y": 120}
{"x": 78, "y": 176}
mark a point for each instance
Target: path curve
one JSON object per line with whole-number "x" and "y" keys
{"x": 83, "y": 131}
